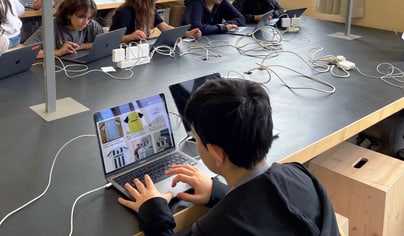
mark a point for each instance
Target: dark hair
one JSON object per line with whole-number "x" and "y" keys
{"x": 235, "y": 115}
{"x": 5, "y": 6}
{"x": 71, "y": 7}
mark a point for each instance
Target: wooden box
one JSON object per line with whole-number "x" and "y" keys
{"x": 365, "y": 186}
{"x": 343, "y": 224}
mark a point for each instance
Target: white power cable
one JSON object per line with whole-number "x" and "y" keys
{"x": 84, "y": 70}
{"x": 389, "y": 74}
{"x": 49, "y": 178}
{"x": 78, "y": 198}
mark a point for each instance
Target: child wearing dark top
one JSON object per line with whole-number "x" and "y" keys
{"x": 232, "y": 124}
{"x": 140, "y": 17}
{"x": 212, "y": 16}
{"x": 253, "y": 10}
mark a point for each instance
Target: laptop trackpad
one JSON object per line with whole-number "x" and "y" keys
{"x": 164, "y": 186}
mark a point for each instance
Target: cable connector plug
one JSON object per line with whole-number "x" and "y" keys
{"x": 328, "y": 59}
{"x": 346, "y": 65}
{"x": 340, "y": 58}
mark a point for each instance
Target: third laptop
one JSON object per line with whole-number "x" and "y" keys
{"x": 168, "y": 37}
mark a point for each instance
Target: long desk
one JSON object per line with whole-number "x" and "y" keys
{"x": 101, "y": 5}
{"x": 309, "y": 122}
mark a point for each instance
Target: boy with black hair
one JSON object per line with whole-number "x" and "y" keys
{"x": 232, "y": 125}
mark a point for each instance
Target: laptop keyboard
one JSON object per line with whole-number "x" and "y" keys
{"x": 156, "y": 169}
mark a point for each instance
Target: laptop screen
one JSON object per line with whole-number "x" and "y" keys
{"x": 133, "y": 132}
{"x": 181, "y": 92}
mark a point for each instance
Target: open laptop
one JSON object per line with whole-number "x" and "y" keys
{"x": 248, "y": 30}
{"x": 181, "y": 93}
{"x": 27, "y": 3}
{"x": 18, "y": 60}
{"x": 102, "y": 47}
{"x": 168, "y": 37}
{"x": 136, "y": 138}
{"x": 295, "y": 12}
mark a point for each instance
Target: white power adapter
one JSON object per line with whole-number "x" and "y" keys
{"x": 135, "y": 56}
{"x": 291, "y": 24}
{"x": 285, "y": 22}
{"x": 340, "y": 58}
{"x": 295, "y": 23}
{"x": 118, "y": 54}
{"x": 144, "y": 49}
{"x": 346, "y": 65}
{"x": 132, "y": 52}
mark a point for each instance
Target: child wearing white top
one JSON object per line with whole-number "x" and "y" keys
{"x": 12, "y": 24}
{"x": 3, "y": 43}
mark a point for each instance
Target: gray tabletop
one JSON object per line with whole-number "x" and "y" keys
{"x": 29, "y": 144}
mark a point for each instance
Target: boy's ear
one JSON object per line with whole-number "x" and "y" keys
{"x": 217, "y": 153}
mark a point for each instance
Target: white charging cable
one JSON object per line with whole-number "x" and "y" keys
{"x": 49, "y": 183}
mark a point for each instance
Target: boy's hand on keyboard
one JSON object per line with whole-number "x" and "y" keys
{"x": 201, "y": 183}
{"x": 142, "y": 193}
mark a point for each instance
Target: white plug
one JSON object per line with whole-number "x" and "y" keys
{"x": 132, "y": 52}
{"x": 118, "y": 55}
{"x": 340, "y": 58}
{"x": 346, "y": 65}
{"x": 295, "y": 22}
{"x": 144, "y": 49}
{"x": 285, "y": 22}
{"x": 328, "y": 59}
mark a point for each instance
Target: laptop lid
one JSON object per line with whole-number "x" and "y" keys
{"x": 102, "y": 47}
{"x": 181, "y": 93}
{"x": 247, "y": 30}
{"x": 123, "y": 129}
{"x": 18, "y": 60}
{"x": 295, "y": 12}
{"x": 136, "y": 134}
{"x": 170, "y": 36}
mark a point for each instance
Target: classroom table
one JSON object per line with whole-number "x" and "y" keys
{"x": 101, "y": 5}
{"x": 310, "y": 122}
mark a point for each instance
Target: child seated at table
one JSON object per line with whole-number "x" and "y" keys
{"x": 74, "y": 27}
{"x": 208, "y": 16}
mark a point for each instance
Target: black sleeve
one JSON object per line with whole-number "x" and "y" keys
{"x": 219, "y": 190}
{"x": 239, "y": 5}
{"x": 123, "y": 17}
{"x": 156, "y": 217}
{"x": 278, "y": 9}
{"x": 157, "y": 18}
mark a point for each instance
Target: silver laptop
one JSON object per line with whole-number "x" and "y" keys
{"x": 18, "y": 60}
{"x": 248, "y": 30}
{"x": 102, "y": 47}
{"x": 136, "y": 138}
{"x": 168, "y": 37}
